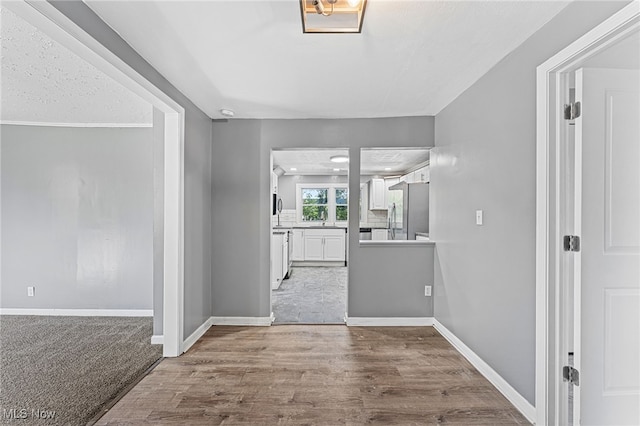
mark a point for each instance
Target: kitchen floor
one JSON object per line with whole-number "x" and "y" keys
{"x": 311, "y": 295}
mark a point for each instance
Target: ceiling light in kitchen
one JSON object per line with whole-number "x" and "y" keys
{"x": 227, "y": 112}
{"x": 332, "y": 16}
{"x": 336, "y": 170}
{"x": 293, "y": 169}
{"x": 339, "y": 159}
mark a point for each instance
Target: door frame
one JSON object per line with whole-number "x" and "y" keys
{"x": 551, "y": 93}
{"x": 59, "y": 27}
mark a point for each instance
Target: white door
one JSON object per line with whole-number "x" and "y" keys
{"x": 313, "y": 247}
{"x": 334, "y": 248}
{"x": 607, "y": 293}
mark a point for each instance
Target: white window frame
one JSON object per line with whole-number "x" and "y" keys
{"x": 331, "y": 201}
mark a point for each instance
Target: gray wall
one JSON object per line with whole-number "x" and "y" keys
{"x": 198, "y": 208}
{"x": 242, "y": 215}
{"x": 485, "y": 159}
{"x": 77, "y": 217}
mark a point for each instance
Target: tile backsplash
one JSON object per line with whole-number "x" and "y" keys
{"x": 287, "y": 218}
{"x": 374, "y": 219}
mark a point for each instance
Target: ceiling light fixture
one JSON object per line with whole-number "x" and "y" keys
{"x": 339, "y": 159}
{"x": 332, "y": 16}
{"x": 336, "y": 170}
{"x": 227, "y": 112}
{"x": 293, "y": 169}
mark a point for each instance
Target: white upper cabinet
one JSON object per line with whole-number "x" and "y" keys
{"x": 377, "y": 191}
{"x": 421, "y": 175}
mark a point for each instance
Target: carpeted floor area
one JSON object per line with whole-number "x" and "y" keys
{"x": 312, "y": 295}
{"x": 68, "y": 368}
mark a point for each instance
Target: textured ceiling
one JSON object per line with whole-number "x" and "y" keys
{"x": 44, "y": 82}
{"x": 372, "y": 161}
{"x": 412, "y": 57}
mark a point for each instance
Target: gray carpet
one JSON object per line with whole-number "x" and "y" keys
{"x": 71, "y": 366}
{"x": 312, "y": 295}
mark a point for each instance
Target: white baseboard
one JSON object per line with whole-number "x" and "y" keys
{"x": 527, "y": 409}
{"x": 257, "y": 321}
{"x": 388, "y": 322}
{"x": 79, "y": 312}
{"x": 157, "y": 339}
{"x": 193, "y": 338}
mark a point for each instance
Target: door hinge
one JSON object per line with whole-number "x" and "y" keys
{"x": 571, "y": 375}
{"x": 571, "y": 243}
{"x": 572, "y": 111}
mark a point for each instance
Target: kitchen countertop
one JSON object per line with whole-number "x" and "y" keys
{"x": 319, "y": 227}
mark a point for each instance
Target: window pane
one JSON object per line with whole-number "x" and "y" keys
{"x": 315, "y": 196}
{"x": 341, "y": 212}
{"x": 311, "y": 212}
{"x": 342, "y": 196}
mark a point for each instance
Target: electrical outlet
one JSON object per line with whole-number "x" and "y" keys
{"x": 31, "y": 291}
{"x": 427, "y": 290}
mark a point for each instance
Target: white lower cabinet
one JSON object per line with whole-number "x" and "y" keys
{"x": 333, "y": 249}
{"x": 313, "y": 247}
{"x": 276, "y": 260}
{"x": 298, "y": 245}
{"x": 319, "y": 245}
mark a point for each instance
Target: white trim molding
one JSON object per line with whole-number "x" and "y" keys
{"x": 389, "y": 321}
{"x": 197, "y": 334}
{"x": 157, "y": 339}
{"x": 526, "y": 408}
{"x": 251, "y": 321}
{"x": 46, "y": 124}
{"x": 79, "y": 312}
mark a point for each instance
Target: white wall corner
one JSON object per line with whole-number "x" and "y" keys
{"x": 197, "y": 334}
{"x": 251, "y": 321}
{"x": 157, "y": 339}
{"x": 389, "y": 321}
{"x": 526, "y": 408}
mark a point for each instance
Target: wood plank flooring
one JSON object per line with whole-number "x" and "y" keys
{"x": 316, "y": 375}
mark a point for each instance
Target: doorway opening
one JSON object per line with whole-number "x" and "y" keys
{"x": 171, "y": 115}
{"x": 309, "y": 219}
{"x": 588, "y": 237}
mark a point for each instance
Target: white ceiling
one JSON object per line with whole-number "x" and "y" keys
{"x": 412, "y": 57}
{"x": 373, "y": 161}
{"x": 44, "y": 82}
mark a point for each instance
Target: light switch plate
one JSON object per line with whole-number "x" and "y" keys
{"x": 427, "y": 290}
{"x": 31, "y": 291}
{"x": 479, "y": 214}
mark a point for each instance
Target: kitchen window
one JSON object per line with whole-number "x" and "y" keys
{"x": 322, "y": 203}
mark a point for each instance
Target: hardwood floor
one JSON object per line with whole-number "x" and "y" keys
{"x": 320, "y": 375}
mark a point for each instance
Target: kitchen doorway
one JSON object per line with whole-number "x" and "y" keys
{"x": 309, "y": 221}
